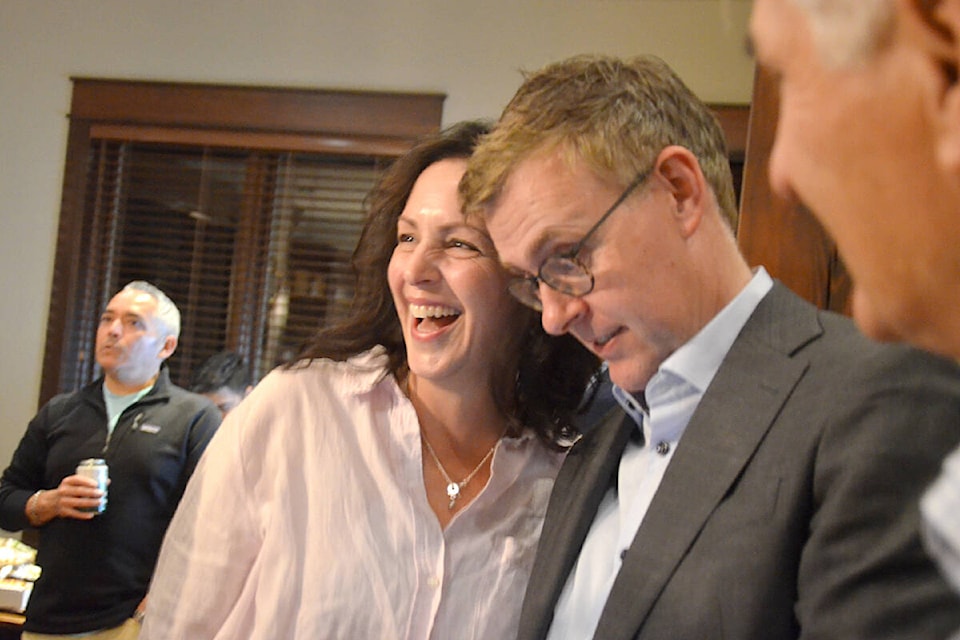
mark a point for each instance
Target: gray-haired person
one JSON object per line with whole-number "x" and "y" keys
{"x": 96, "y": 567}
{"x": 868, "y": 138}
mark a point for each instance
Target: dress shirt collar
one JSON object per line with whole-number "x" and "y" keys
{"x": 696, "y": 362}
{"x": 366, "y": 370}
{"x": 699, "y": 359}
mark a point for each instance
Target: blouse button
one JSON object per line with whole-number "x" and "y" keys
{"x": 663, "y": 448}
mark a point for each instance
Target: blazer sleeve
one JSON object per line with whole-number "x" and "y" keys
{"x": 863, "y": 571}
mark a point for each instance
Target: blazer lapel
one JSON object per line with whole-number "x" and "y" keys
{"x": 583, "y": 480}
{"x": 738, "y": 408}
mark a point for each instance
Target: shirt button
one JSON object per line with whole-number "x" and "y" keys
{"x": 663, "y": 448}
{"x": 433, "y": 582}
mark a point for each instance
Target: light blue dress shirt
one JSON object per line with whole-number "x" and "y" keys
{"x": 672, "y": 395}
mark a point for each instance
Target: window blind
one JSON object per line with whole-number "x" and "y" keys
{"x": 253, "y": 246}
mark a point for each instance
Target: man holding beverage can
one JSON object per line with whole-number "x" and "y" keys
{"x": 96, "y": 469}
{"x": 135, "y": 426}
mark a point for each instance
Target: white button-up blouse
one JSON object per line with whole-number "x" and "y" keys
{"x": 307, "y": 518}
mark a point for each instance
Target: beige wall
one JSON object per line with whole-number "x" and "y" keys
{"x": 470, "y": 50}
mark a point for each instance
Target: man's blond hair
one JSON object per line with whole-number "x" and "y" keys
{"x": 613, "y": 114}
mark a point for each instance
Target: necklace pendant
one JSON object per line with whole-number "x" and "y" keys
{"x": 453, "y": 492}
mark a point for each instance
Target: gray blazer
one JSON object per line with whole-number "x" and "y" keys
{"x": 789, "y": 509}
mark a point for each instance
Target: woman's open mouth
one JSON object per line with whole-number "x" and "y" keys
{"x": 432, "y": 317}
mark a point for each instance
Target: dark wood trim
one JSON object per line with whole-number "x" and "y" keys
{"x": 195, "y": 105}
{"x": 783, "y": 236}
{"x": 67, "y": 260}
{"x": 267, "y": 141}
{"x": 735, "y": 121}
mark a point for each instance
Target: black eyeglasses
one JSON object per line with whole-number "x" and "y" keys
{"x": 564, "y": 272}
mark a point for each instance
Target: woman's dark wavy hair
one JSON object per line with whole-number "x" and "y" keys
{"x": 553, "y": 372}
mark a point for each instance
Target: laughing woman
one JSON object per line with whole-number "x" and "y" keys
{"x": 392, "y": 482}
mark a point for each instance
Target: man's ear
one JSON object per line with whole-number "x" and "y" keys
{"x": 681, "y": 170}
{"x": 942, "y": 16}
{"x": 945, "y": 20}
{"x": 169, "y": 346}
{"x": 933, "y": 27}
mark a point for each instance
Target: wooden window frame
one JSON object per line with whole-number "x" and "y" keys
{"x": 335, "y": 122}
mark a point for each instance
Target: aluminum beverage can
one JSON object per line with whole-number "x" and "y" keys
{"x": 96, "y": 469}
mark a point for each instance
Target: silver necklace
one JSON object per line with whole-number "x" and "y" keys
{"x": 454, "y": 488}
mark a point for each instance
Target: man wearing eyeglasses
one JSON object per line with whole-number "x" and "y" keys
{"x": 761, "y": 480}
